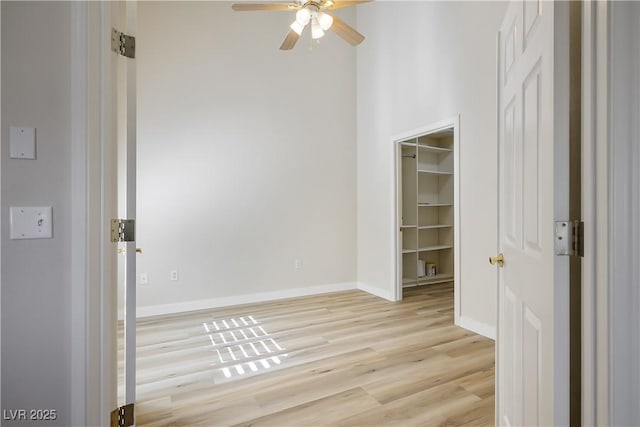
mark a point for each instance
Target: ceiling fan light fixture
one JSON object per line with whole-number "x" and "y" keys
{"x": 303, "y": 16}
{"x": 325, "y": 20}
{"x": 316, "y": 30}
{"x": 297, "y": 27}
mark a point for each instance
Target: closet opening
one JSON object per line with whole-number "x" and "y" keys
{"x": 427, "y": 208}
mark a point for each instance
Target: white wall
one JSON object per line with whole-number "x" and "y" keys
{"x": 36, "y": 315}
{"x": 424, "y": 62}
{"x": 246, "y": 157}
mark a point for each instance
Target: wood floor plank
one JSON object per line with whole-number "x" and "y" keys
{"x": 325, "y": 411}
{"x": 347, "y": 358}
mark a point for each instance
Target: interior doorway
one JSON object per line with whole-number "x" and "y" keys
{"x": 427, "y": 226}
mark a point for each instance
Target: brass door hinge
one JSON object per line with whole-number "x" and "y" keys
{"x": 569, "y": 238}
{"x": 123, "y": 44}
{"x": 123, "y": 230}
{"x": 123, "y": 416}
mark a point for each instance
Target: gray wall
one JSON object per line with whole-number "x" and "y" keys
{"x": 246, "y": 155}
{"x": 36, "y": 322}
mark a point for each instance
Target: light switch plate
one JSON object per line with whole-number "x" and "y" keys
{"x": 31, "y": 222}
{"x": 22, "y": 143}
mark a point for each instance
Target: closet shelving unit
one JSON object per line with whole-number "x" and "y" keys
{"x": 427, "y": 207}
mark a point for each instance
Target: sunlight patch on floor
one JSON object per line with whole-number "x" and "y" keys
{"x": 242, "y": 347}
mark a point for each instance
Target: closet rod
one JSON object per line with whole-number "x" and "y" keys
{"x": 413, "y": 156}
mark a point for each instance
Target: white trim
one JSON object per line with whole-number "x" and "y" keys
{"x": 129, "y": 148}
{"x": 100, "y": 329}
{"x": 602, "y": 225}
{"x": 450, "y": 123}
{"x": 79, "y": 211}
{"x": 595, "y": 389}
{"x": 497, "y": 379}
{"x": 395, "y": 221}
{"x": 186, "y": 306}
{"x": 381, "y": 293}
{"x": 595, "y": 213}
{"x": 1, "y": 133}
{"x": 623, "y": 215}
{"x": 479, "y": 328}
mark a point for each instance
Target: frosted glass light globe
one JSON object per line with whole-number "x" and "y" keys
{"x": 303, "y": 16}
{"x": 316, "y": 29}
{"x": 325, "y": 20}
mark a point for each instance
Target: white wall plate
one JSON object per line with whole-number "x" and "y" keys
{"x": 22, "y": 143}
{"x": 31, "y": 222}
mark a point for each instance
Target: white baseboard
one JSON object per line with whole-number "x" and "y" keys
{"x": 477, "y": 327}
{"x": 181, "y": 307}
{"x": 388, "y": 295}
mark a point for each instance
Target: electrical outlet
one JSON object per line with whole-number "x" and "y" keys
{"x": 297, "y": 264}
{"x": 174, "y": 275}
{"x": 143, "y": 279}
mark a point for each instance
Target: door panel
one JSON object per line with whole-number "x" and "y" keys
{"x": 531, "y": 367}
{"x": 530, "y": 175}
{"x": 531, "y": 311}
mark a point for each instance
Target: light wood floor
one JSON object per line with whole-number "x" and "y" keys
{"x": 344, "y": 359}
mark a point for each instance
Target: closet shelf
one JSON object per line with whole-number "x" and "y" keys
{"x": 410, "y": 282}
{"x": 432, "y": 149}
{"x": 433, "y": 205}
{"x": 424, "y": 280}
{"x": 431, "y": 172}
{"x": 430, "y": 227}
{"x": 434, "y": 248}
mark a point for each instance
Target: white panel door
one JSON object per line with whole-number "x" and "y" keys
{"x": 533, "y": 312}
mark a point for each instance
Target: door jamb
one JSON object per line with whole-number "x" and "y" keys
{"x": 94, "y": 200}
{"x": 596, "y": 179}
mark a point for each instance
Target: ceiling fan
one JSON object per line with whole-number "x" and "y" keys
{"x": 310, "y": 12}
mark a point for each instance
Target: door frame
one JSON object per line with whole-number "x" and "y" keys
{"x": 450, "y": 123}
{"x": 89, "y": 276}
{"x": 94, "y": 390}
{"x": 596, "y": 188}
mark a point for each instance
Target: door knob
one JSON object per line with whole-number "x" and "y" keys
{"x": 138, "y": 250}
{"x": 497, "y": 260}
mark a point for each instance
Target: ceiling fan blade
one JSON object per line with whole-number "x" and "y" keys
{"x": 290, "y": 40}
{"x": 337, "y": 4}
{"x": 248, "y": 7}
{"x": 346, "y": 32}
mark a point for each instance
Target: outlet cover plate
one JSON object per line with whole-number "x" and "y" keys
{"x": 22, "y": 143}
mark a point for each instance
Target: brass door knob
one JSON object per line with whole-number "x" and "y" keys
{"x": 497, "y": 260}
{"x": 138, "y": 250}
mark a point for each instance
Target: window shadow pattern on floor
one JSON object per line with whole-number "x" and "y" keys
{"x": 242, "y": 347}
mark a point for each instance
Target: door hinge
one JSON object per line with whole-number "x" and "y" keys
{"x": 123, "y": 416}
{"x": 123, "y": 230}
{"x": 123, "y": 44}
{"x": 569, "y": 238}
